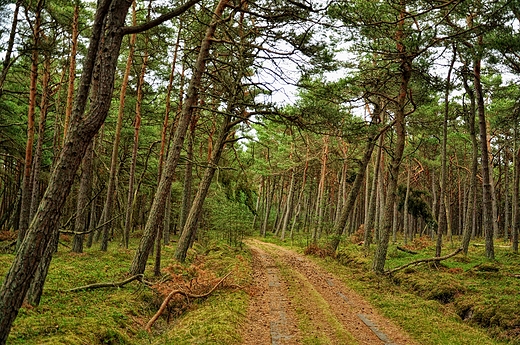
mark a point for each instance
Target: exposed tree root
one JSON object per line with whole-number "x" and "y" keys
{"x": 104, "y": 285}
{"x": 416, "y": 262}
{"x": 164, "y": 304}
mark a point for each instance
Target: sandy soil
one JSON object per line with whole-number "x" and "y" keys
{"x": 338, "y": 312}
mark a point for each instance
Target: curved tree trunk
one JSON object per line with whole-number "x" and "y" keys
{"x": 190, "y": 226}
{"x": 45, "y": 223}
{"x": 156, "y": 215}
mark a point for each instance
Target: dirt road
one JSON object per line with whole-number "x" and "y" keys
{"x": 296, "y": 302}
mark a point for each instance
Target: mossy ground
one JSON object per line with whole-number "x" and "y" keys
{"x": 462, "y": 300}
{"x": 118, "y": 315}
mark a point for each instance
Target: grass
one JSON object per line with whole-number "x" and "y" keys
{"x": 117, "y": 316}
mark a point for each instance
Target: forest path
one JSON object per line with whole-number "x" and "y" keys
{"x": 296, "y": 302}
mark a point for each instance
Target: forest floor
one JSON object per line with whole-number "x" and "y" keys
{"x": 296, "y": 302}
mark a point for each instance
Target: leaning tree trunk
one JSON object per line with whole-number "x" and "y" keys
{"x": 45, "y": 223}
{"x": 156, "y": 215}
{"x": 105, "y": 43}
{"x": 106, "y": 215}
{"x": 352, "y": 195}
{"x": 196, "y": 208}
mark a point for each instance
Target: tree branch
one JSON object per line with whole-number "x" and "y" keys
{"x": 158, "y": 21}
{"x": 104, "y": 285}
{"x": 416, "y": 262}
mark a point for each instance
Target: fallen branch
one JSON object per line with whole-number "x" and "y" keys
{"x": 104, "y": 285}
{"x": 483, "y": 245}
{"x": 416, "y": 262}
{"x": 403, "y": 249}
{"x": 164, "y": 304}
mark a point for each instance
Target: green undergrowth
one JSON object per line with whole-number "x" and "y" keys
{"x": 462, "y": 300}
{"x": 118, "y": 315}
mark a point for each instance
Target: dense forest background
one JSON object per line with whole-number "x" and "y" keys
{"x": 386, "y": 119}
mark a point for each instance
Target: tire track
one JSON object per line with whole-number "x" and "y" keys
{"x": 356, "y": 316}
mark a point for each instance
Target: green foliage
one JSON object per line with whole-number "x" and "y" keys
{"x": 417, "y": 206}
{"x": 228, "y": 219}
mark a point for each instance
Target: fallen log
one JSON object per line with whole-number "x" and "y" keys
{"x": 416, "y": 262}
{"x": 104, "y": 285}
{"x": 403, "y": 249}
{"x": 483, "y": 245}
{"x": 164, "y": 304}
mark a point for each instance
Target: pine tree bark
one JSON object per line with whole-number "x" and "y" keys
{"x": 72, "y": 69}
{"x": 45, "y": 223}
{"x": 441, "y": 223}
{"x": 106, "y": 215}
{"x": 82, "y": 205}
{"x": 44, "y": 106}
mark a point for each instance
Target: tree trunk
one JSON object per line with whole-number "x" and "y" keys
{"x": 157, "y": 210}
{"x": 25, "y": 209}
{"x": 486, "y": 179}
{"x": 405, "y": 61}
{"x": 352, "y": 196}
{"x": 406, "y": 216}
{"x": 85, "y": 191}
{"x": 44, "y": 106}
{"x": 45, "y": 223}
{"x": 192, "y": 220}
{"x": 369, "y": 222}
{"x": 106, "y": 215}
{"x": 441, "y": 224}
{"x": 72, "y": 69}
{"x": 289, "y": 205}
{"x": 471, "y": 113}
{"x": 516, "y": 190}
{"x": 188, "y": 178}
